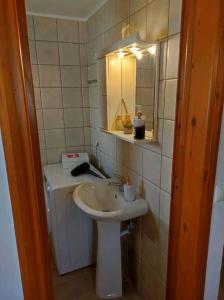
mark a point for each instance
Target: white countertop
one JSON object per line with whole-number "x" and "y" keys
{"x": 57, "y": 177}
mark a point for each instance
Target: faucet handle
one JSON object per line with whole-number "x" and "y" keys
{"x": 121, "y": 178}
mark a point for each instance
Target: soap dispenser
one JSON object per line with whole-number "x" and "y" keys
{"x": 129, "y": 191}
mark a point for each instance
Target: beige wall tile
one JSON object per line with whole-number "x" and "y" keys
{"x": 45, "y": 29}
{"x": 53, "y": 118}
{"x": 73, "y": 117}
{"x": 151, "y": 166}
{"x": 43, "y": 155}
{"x": 35, "y": 75}
{"x": 51, "y": 97}
{"x": 47, "y": 53}
{"x": 70, "y": 76}
{"x": 157, "y": 19}
{"x": 41, "y": 139}
{"x": 136, "y": 5}
{"x": 138, "y": 22}
{"x": 67, "y": 31}
{"x": 83, "y": 55}
{"x": 54, "y": 155}
{"x": 74, "y": 137}
{"x": 72, "y": 97}
{"x": 33, "y": 54}
{"x": 49, "y": 76}
{"x": 55, "y": 138}
{"x": 30, "y": 27}
{"x": 37, "y": 98}
{"x": 69, "y": 54}
{"x": 39, "y": 115}
{"x": 83, "y": 34}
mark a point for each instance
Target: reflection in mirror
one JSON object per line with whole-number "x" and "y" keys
{"x": 132, "y": 85}
{"x": 145, "y": 87}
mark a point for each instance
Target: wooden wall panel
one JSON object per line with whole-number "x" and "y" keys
{"x": 21, "y": 147}
{"x": 198, "y": 120}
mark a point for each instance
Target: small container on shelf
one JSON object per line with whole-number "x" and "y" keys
{"x": 139, "y": 124}
{"x": 128, "y": 127}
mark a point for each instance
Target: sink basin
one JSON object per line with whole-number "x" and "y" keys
{"x": 106, "y": 204}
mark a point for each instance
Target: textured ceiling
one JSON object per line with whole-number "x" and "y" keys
{"x": 75, "y": 9}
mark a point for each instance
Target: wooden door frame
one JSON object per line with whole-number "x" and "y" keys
{"x": 197, "y": 130}
{"x": 22, "y": 153}
{"x": 199, "y": 109}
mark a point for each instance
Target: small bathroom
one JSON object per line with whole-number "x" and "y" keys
{"x": 105, "y": 81}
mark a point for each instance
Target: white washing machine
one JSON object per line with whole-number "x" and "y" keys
{"x": 71, "y": 229}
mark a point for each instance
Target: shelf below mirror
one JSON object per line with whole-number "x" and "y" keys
{"x": 130, "y": 137}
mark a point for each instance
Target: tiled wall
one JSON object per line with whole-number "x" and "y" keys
{"x": 59, "y": 62}
{"x": 149, "y": 166}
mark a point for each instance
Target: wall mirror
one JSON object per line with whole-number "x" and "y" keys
{"x": 132, "y": 82}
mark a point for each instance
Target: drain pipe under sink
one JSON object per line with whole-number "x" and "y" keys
{"x": 129, "y": 229}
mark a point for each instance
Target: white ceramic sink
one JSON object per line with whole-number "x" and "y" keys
{"x": 106, "y": 204}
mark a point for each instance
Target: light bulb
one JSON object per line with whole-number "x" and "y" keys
{"x": 121, "y": 54}
{"x": 152, "y": 50}
{"x": 139, "y": 55}
{"x": 134, "y": 49}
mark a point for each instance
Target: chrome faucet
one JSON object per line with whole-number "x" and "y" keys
{"x": 120, "y": 182}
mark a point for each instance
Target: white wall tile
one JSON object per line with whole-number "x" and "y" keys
{"x": 172, "y": 57}
{"x": 73, "y": 117}
{"x": 164, "y": 207}
{"x": 166, "y": 174}
{"x": 69, "y": 54}
{"x": 45, "y": 29}
{"x": 51, "y": 97}
{"x": 49, "y": 76}
{"x": 67, "y": 31}
{"x": 151, "y": 166}
{"x": 70, "y": 76}
{"x": 168, "y": 137}
{"x": 47, "y": 53}
{"x": 170, "y": 99}
{"x": 135, "y": 158}
{"x": 151, "y": 194}
{"x": 157, "y": 19}
{"x": 175, "y": 16}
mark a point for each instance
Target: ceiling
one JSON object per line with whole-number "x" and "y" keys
{"x": 70, "y": 9}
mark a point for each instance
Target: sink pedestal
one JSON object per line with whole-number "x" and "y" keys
{"x": 109, "y": 273}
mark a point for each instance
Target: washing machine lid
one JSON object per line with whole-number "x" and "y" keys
{"x": 57, "y": 177}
